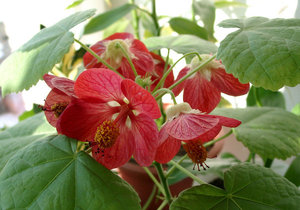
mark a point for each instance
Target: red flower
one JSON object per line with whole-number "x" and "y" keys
{"x": 115, "y": 116}
{"x": 58, "y": 98}
{"x": 156, "y": 75}
{"x": 203, "y": 89}
{"x": 109, "y": 50}
{"x": 191, "y": 126}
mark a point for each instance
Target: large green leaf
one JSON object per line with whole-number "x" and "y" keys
{"x": 221, "y": 4}
{"x": 49, "y": 174}
{"x": 105, "y": 19}
{"x": 13, "y": 139}
{"x": 26, "y": 66}
{"x": 247, "y": 187}
{"x": 185, "y": 26}
{"x": 181, "y": 44}
{"x": 268, "y": 132}
{"x": 265, "y": 98}
{"x": 207, "y": 12}
{"x": 293, "y": 172}
{"x": 262, "y": 51}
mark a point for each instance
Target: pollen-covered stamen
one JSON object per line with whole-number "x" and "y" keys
{"x": 58, "y": 108}
{"x": 197, "y": 153}
{"x": 106, "y": 134}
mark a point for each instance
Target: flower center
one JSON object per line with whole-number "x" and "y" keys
{"x": 106, "y": 134}
{"x": 58, "y": 108}
{"x": 197, "y": 153}
{"x": 115, "y": 53}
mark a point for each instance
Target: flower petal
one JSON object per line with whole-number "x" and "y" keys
{"x": 99, "y": 83}
{"x": 140, "y": 99}
{"x": 227, "y": 83}
{"x": 227, "y": 121}
{"x": 190, "y": 126}
{"x": 145, "y": 134}
{"x": 81, "y": 119}
{"x": 201, "y": 94}
{"x": 64, "y": 84}
{"x": 168, "y": 148}
{"x": 119, "y": 153}
{"x": 48, "y": 78}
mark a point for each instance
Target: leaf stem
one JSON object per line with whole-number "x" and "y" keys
{"x": 135, "y": 20}
{"x": 159, "y": 186}
{"x": 168, "y": 91}
{"x": 154, "y": 17}
{"x": 128, "y": 59}
{"x": 150, "y": 198}
{"x": 268, "y": 163}
{"x": 218, "y": 139}
{"x": 162, "y": 205}
{"x": 171, "y": 170}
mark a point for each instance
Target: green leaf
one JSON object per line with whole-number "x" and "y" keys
{"x": 118, "y": 26}
{"x": 181, "y": 44}
{"x": 49, "y": 174}
{"x": 262, "y": 51}
{"x": 221, "y": 4}
{"x": 293, "y": 172}
{"x": 26, "y": 66}
{"x": 296, "y": 109}
{"x": 207, "y": 12}
{"x": 74, "y": 4}
{"x": 185, "y": 26}
{"x": 16, "y": 138}
{"x": 35, "y": 109}
{"x": 268, "y": 132}
{"x": 105, "y": 19}
{"x": 247, "y": 187}
{"x": 265, "y": 98}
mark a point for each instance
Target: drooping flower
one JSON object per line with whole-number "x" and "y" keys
{"x": 60, "y": 96}
{"x": 116, "y": 116}
{"x": 203, "y": 89}
{"x": 190, "y": 126}
{"x": 109, "y": 50}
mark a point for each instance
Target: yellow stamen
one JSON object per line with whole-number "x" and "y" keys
{"x": 58, "y": 108}
{"x": 106, "y": 134}
{"x": 197, "y": 153}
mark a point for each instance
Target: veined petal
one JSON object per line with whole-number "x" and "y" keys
{"x": 99, "y": 83}
{"x": 145, "y": 134}
{"x": 81, "y": 119}
{"x": 168, "y": 147}
{"x": 89, "y": 60}
{"x": 201, "y": 94}
{"x": 123, "y": 35}
{"x": 119, "y": 153}
{"x": 227, "y": 121}
{"x": 227, "y": 83}
{"x": 190, "y": 126}
{"x": 48, "y": 79}
{"x": 142, "y": 58}
{"x": 64, "y": 84}
{"x": 140, "y": 99}
{"x": 180, "y": 87}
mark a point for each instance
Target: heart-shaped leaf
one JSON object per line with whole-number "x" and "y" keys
{"x": 265, "y": 52}
{"x": 293, "y": 172}
{"x": 268, "y": 132}
{"x": 50, "y": 174}
{"x": 247, "y": 187}
{"x": 39, "y": 55}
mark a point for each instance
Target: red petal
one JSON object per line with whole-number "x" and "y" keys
{"x": 211, "y": 134}
{"x": 55, "y": 96}
{"x": 119, "y": 153}
{"x": 228, "y": 122}
{"x": 227, "y": 83}
{"x": 48, "y": 78}
{"x": 180, "y": 87}
{"x": 190, "y": 126}
{"x": 201, "y": 94}
{"x": 123, "y": 35}
{"x": 64, "y": 84}
{"x": 81, "y": 119}
{"x": 145, "y": 134}
{"x": 140, "y": 99}
{"x": 143, "y": 60}
{"x": 99, "y": 83}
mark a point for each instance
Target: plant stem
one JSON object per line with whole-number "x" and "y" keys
{"x": 171, "y": 170}
{"x": 193, "y": 12}
{"x": 154, "y": 17}
{"x": 195, "y": 178}
{"x": 257, "y": 99}
{"x": 135, "y": 20}
{"x": 168, "y": 91}
{"x": 268, "y": 163}
{"x": 162, "y": 80}
{"x": 159, "y": 186}
{"x": 150, "y": 198}
{"x": 163, "y": 181}
{"x": 128, "y": 59}
{"x": 162, "y": 205}
{"x": 218, "y": 139}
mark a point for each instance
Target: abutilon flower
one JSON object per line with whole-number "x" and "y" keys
{"x": 115, "y": 116}
{"x": 110, "y": 51}
{"x": 191, "y": 127}
{"x": 203, "y": 89}
{"x": 158, "y": 72}
{"x": 61, "y": 94}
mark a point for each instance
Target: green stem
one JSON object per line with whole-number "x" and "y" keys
{"x": 150, "y": 198}
{"x": 257, "y": 99}
{"x": 218, "y": 139}
{"x": 159, "y": 186}
{"x": 135, "y": 18}
{"x": 168, "y": 91}
{"x": 162, "y": 205}
{"x": 128, "y": 59}
{"x": 193, "y": 12}
{"x": 163, "y": 181}
{"x": 195, "y": 178}
{"x": 189, "y": 74}
{"x": 162, "y": 80}
{"x": 154, "y": 17}
{"x": 171, "y": 170}
{"x": 268, "y": 163}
